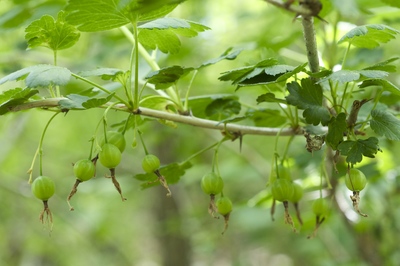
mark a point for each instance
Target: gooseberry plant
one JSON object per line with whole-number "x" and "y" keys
{"x": 320, "y": 104}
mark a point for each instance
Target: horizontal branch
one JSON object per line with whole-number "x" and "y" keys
{"x": 184, "y": 119}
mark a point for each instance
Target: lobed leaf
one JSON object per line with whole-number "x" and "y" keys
{"x": 385, "y": 65}
{"x": 167, "y": 76}
{"x": 198, "y": 104}
{"x": 40, "y": 76}
{"x": 355, "y": 150}
{"x": 345, "y": 76}
{"x": 386, "y": 85}
{"x": 336, "y": 129}
{"x": 50, "y": 33}
{"x": 385, "y": 124}
{"x": 14, "y": 97}
{"x": 73, "y": 101}
{"x": 369, "y": 36}
{"x": 163, "y": 33}
{"x": 269, "y": 97}
{"x": 222, "y": 108}
{"x": 308, "y": 96}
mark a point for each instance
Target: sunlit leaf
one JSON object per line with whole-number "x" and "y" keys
{"x": 385, "y": 65}
{"x": 370, "y": 36}
{"x": 104, "y": 73}
{"x": 54, "y": 34}
{"x": 40, "y": 76}
{"x": 73, "y": 101}
{"x": 227, "y": 55}
{"x": 344, "y": 76}
{"x": 163, "y": 33}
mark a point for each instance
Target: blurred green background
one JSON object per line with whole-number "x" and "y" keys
{"x": 150, "y": 229}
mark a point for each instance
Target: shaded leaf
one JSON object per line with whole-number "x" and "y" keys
{"x": 355, "y": 150}
{"x": 394, "y": 3}
{"x": 370, "y": 36}
{"x": 50, "y": 33}
{"x": 227, "y": 55}
{"x": 385, "y": 65}
{"x": 266, "y": 117}
{"x": 385, "y": 124}
{"x": 167, "y": 76}
{"x": 269, "y": 97}
{"x": 336, "y": 129}
{"x": 386, "y": 85}
{"x": 293, "y": 72}
{"x": 96, "y": 102}
{"x": 40, "y": 76}
{"x": 198, "y": 104}
{"x": 344, "y": 76}
{"x": 14, "y": 97}
{"x": 222, "y": 108}
{"x": 308, "y": 96}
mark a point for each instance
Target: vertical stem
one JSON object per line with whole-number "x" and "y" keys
{"x": 311, "y": 43}
{"x": 136, "y": 89}
{"x": 41, "y": 144}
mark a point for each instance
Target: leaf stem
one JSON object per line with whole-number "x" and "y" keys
{"x": 101, "y": 88}
{"x": 136, "y": 87}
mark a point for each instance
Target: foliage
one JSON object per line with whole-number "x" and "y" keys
{"x": 156, "y": 69}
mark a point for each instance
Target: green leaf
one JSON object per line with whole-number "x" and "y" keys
{"x": 171, "y": 172}
{"x": 386, "y": 85}
{"x": 163, "y": 33}
{"x": 40, "y": 76}
{"x": 344, "y": 76}
{"x": 222, "y": 108}
{"x": 265, "y": 72}
{"x": 227, "y": 55}
{"x": 198, "y": 104}
{"x": 385, "y": 65}
{"x": 14, "y": 97}
{"x": 74, "y": 101}
{"x": 167, "y": 76}
{"x": 308, "y": 96}
{"x": 385, "y": 124}
{"x": 50, "y": 33}
{"x": 355, "y": 150}
{"x": 336, "y": 129}
{"x": 269, "y": 97}
{"x": 104, "y": 73}
{"x": 369, "y": 36}
{"x": 295, "y": 71}
{"x": 100, "y": 15}
{"x": 96, "y": 102}
{"x": 266, "y": 117}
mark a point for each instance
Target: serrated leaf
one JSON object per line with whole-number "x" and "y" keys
{"x": 385, "y": 65}
{"x": 386, "y": 85}
{"x": 369, "y": 36}
{"x": 308, "y": 96}
{"x": 73, "y": 101}
{"x": 336, "y": 129}
{"x": 270, "y": 98}
{"x": 266, "y": 117}
{"x": 104, "y": 73}
{"x": 163, "y": 33}
{"x": 355, "y": 150}
{"x": 385, "y": 124}
{"x": 344, "y": 76}
{"x": 222, "y": 108}
{"x": 15, "y": 97}
{"x": 171, "y": 172}
{"x": 100, "y": 15}
{"x": 40, "y": 76}
{"x": 198, "y": 104}
{"x": 227, "y": 55}
{"x": 96, "y": 102}
{"x": 50, "y": 33}
{"x": 293, "y": 72}
{"x": 265, "y": 72}
{"x": 167, "y": 76}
